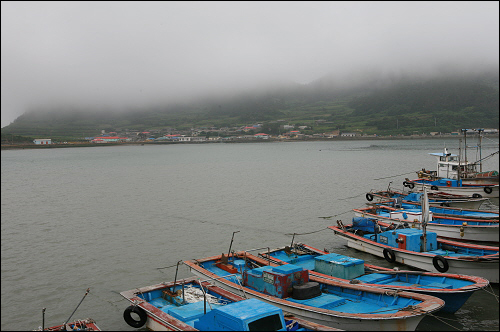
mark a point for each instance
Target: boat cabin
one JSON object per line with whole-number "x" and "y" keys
{"x": 247, "y": 315}
{"x": 449, "y": 166}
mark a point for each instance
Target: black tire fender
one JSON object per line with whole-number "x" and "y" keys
{"x": 435, "y": 261}
{"x": 487, "y": 190}
{"x": 434, "y": 188}
{"x": 389, "y": 255}
{"x": 130, "y": 320}
{"x": 369, "y": 197}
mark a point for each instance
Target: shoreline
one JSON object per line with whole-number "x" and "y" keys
{"x": 22, "y": 146}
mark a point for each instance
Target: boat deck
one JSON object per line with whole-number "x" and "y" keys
{"x": 338, "y": 298}
{"x": 386, "y": 279}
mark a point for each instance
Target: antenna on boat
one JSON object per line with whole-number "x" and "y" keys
{"x": 175, "y": 278}
{"x": 480, "y": 149}
{"x": 43, "y": 319}
{"x": 86, "y": 293}
{"x": 293, "y": 237}
{"x": 425, "y": 218}
{"x": 231, "y": 245}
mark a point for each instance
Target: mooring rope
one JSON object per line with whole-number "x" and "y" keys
{"x": 442, "y": 321}
{"x": 307, "y": 233}
{"x": 492, "y": 292}
{"x": 393, "y": 176}
{"x": 336, "y": 215}
{"x": 110, "y": 302}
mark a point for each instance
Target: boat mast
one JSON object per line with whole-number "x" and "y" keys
{"x": 465, "y": 150}
{"x": 425, "y": 218}
{"x": 480, "y": 150}
{"x": 459, "y": 175}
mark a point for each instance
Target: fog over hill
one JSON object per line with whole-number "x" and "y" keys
{"x": 371, "y": 104}
{"x": 122, "y": 56}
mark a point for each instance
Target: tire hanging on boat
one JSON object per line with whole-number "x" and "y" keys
{"x": 410, "y": 185}
{"x": 369, "y": 197}
{"x": 435, "y": 261}
{"x": 434, "y": 188}
{"x": 130, "y": 320}
{"x": 389, "y": 255}
{"x": 487, "y": 190}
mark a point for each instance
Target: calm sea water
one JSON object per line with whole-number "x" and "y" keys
{"x": 106, "y": 218}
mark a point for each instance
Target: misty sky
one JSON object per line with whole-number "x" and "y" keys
{"x": 128, "y": 54}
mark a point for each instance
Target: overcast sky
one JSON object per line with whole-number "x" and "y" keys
{"x": 124, "y": 54}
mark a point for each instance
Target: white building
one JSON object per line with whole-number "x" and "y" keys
{"x": 42, "y": 141}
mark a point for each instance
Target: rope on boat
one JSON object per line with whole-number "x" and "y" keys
{"x": 193, "y": 294}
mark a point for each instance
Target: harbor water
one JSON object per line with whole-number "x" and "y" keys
{"x": 115, "y": 218}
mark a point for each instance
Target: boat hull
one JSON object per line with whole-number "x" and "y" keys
{"x": 464, "y": 190}
{"x": 485, "y": 269}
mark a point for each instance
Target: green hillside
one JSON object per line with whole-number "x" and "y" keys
{"x": 403, "y": 106}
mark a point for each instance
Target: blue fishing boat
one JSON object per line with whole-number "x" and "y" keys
{"x": 324, "y": 301}
{"x": 435, "y": 199}
{"x": 452, "y": 288}
{"x": 192, "y": 305}
{"x": 451, "y": 227}
{"x": 419, "y": 248}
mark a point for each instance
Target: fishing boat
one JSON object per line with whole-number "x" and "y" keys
{"x": 419, "y": 248}
{"x": 435, "y": 199}
{"x": 452, "y": 166}
{"x": 326, "y": 302}
{"x": 454, "y": 187}
{"x": 452, "y": 288}
{"x": 194, "y": 305}
{"x": 87, "y": 324}
{"x": 467, "y": 229}
{"x": 443, "y": 211}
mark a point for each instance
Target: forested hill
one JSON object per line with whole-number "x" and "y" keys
{"x": 402, "y": 106}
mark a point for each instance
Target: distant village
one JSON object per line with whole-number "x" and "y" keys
{"x": 245, "y": 133}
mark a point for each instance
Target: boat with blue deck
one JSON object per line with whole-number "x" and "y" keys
{"x": 453, "y": 289}
{"x": 327, "y": 302}
{"x": 193, "y": 305}
{"x": 419, "y": 248}
{"x": 414, "y": 201}
{"x": 458, "y": 228}
{"x": 435, "y": 199}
